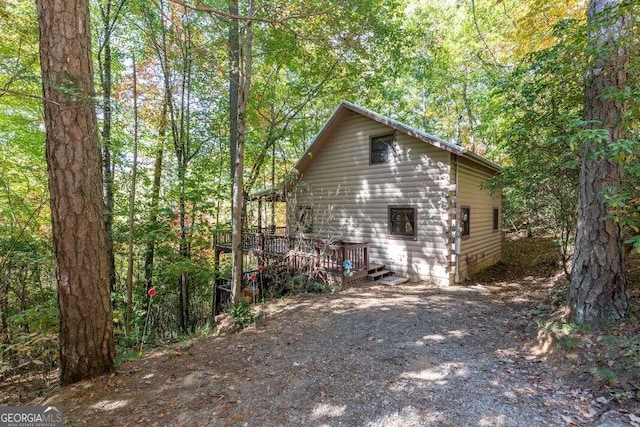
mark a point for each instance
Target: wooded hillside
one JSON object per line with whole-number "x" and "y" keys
{"x": 192, "y": 99}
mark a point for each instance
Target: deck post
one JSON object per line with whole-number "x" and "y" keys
{"x": 366, "y": 255}
{"x": 260, "y": 240}
{"x": 316, "y": 258}
{"x": 215, "y": 301}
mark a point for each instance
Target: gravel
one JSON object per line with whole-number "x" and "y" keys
{"x": 406, "y": 355}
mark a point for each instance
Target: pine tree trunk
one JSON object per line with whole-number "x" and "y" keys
{"x": 75, "y": 183}
{"x": 598, "y": 283}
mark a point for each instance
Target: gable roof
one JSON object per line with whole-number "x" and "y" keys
{"x": 345, "y": 107}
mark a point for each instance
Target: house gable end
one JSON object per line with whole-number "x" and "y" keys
{"x": 342, "y": 112}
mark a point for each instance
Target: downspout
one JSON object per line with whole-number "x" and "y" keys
{"x": 457, "y": 238}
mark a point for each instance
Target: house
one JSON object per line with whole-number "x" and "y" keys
{"x": 419, "y": 202}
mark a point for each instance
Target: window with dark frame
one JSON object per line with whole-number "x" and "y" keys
{"x": 304, "y": 219}
{"x": 402, "y": 221}
{"x": 381, "y": 148}
{"x": 496, "y": 218}
{"x": 465, "y": 221}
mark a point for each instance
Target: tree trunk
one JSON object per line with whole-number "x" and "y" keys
{"x": 105, "y": 80}
{"x": 598, "y": 283}
{"x": 132, "y": 201}
{"x": 75, "y": 183}
{"x": 155, "y": 199}
{"x": 5, "y": 336}
{"x": 183, "y": 155}
{"x": 238, "y": 185}
{"x": 234, "y": 81}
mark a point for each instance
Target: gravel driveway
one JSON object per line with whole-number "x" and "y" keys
{"x": 407, "y": 355}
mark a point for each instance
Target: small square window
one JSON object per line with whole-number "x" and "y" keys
{"x": 381, "y": 148}
{"x": 465, "y": 221}
{"x": 304, "y": 219}
{"x": 496, "y": 218}
{"x": 402, "y": 221}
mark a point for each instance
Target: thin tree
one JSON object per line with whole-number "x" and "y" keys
{"x": 244, "y": 84}
{"x": 109, "y": 14}
{"x": 149, "y": 254}
{"x": 234, "y": 80}
{"x": 75, "y": 184}
{"x": 132, "y": 200}
{"x": 166, "y": 35}
{"x": 598, "y": 283}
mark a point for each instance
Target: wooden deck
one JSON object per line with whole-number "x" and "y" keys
{"x": 300, "y": 254}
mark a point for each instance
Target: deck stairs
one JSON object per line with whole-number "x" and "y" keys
{"x": 380, "y": 274}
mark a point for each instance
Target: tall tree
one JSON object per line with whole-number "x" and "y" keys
{"x": 132, "y": 199}
{"x": 244, "y": 84}
{"x": 150, "y": 250}
{"x": 172, "y": 37}
{"x": 109, "y": 14}
{"x": 234, "y": 79}
{"x": 75, "y": 184}
{"x": 598, "y": 283}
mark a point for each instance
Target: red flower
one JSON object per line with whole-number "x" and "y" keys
{"x": 254, "y": 277}
{"x": 152, "y": 292}
{"x": 260, "y": 268}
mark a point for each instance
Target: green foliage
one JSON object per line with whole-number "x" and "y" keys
{"x": 503, "y": 79}
{"x": 43, "y": 318}
{"x": 624, "y": 198}
{"x": 567, "y": 335}
{"x": 123, "y": 356}
{"x": 242, "y": 314}
{"x": 606, "y": 375}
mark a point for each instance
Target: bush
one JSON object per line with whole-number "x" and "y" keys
{"x": 242, "y": 314}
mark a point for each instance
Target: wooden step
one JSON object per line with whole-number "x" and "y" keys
{"x": 378, "y": 274}
{"x": 393, "y": 280}
{"x": 375, "y": 267}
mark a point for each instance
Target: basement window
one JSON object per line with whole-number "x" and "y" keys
{"x": 465, "y": 221}
{"x": 402, "y": 222}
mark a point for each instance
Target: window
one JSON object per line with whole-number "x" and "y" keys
{"x": 304, "y": 219}
{"x": 381, "y": 148}
{"x": 402, "y": 221}
{"x": 496, "y": 218}
{"x": 465, "y": 221}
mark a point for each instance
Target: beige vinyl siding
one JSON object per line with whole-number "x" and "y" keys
{"x": 350, "y": 197}
{"x": 483, "y": 246}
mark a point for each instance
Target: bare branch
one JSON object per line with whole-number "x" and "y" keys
{"x": 5, "y": 91}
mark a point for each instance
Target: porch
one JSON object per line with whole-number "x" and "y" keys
{"x": 274, "y": 249}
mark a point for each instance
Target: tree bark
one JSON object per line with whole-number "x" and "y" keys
{"x": 104, "y": 58}
{"x": 155, "y": 199}
{"x": 238, "y": 185}
{"x": 132, "y": 200}
{"x": 234, "y": 81}
{"x": 598, "y": 283}
{"x": 75, "y": 183}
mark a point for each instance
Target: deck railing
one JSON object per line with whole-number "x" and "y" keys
{"x": 319, "y": 255}
{"x": 315, "y": 253}
{"x": 272, "y": 239}
{"x": 299, "y": 254}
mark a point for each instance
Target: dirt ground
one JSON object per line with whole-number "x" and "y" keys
{"x": 407, "y": 355}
